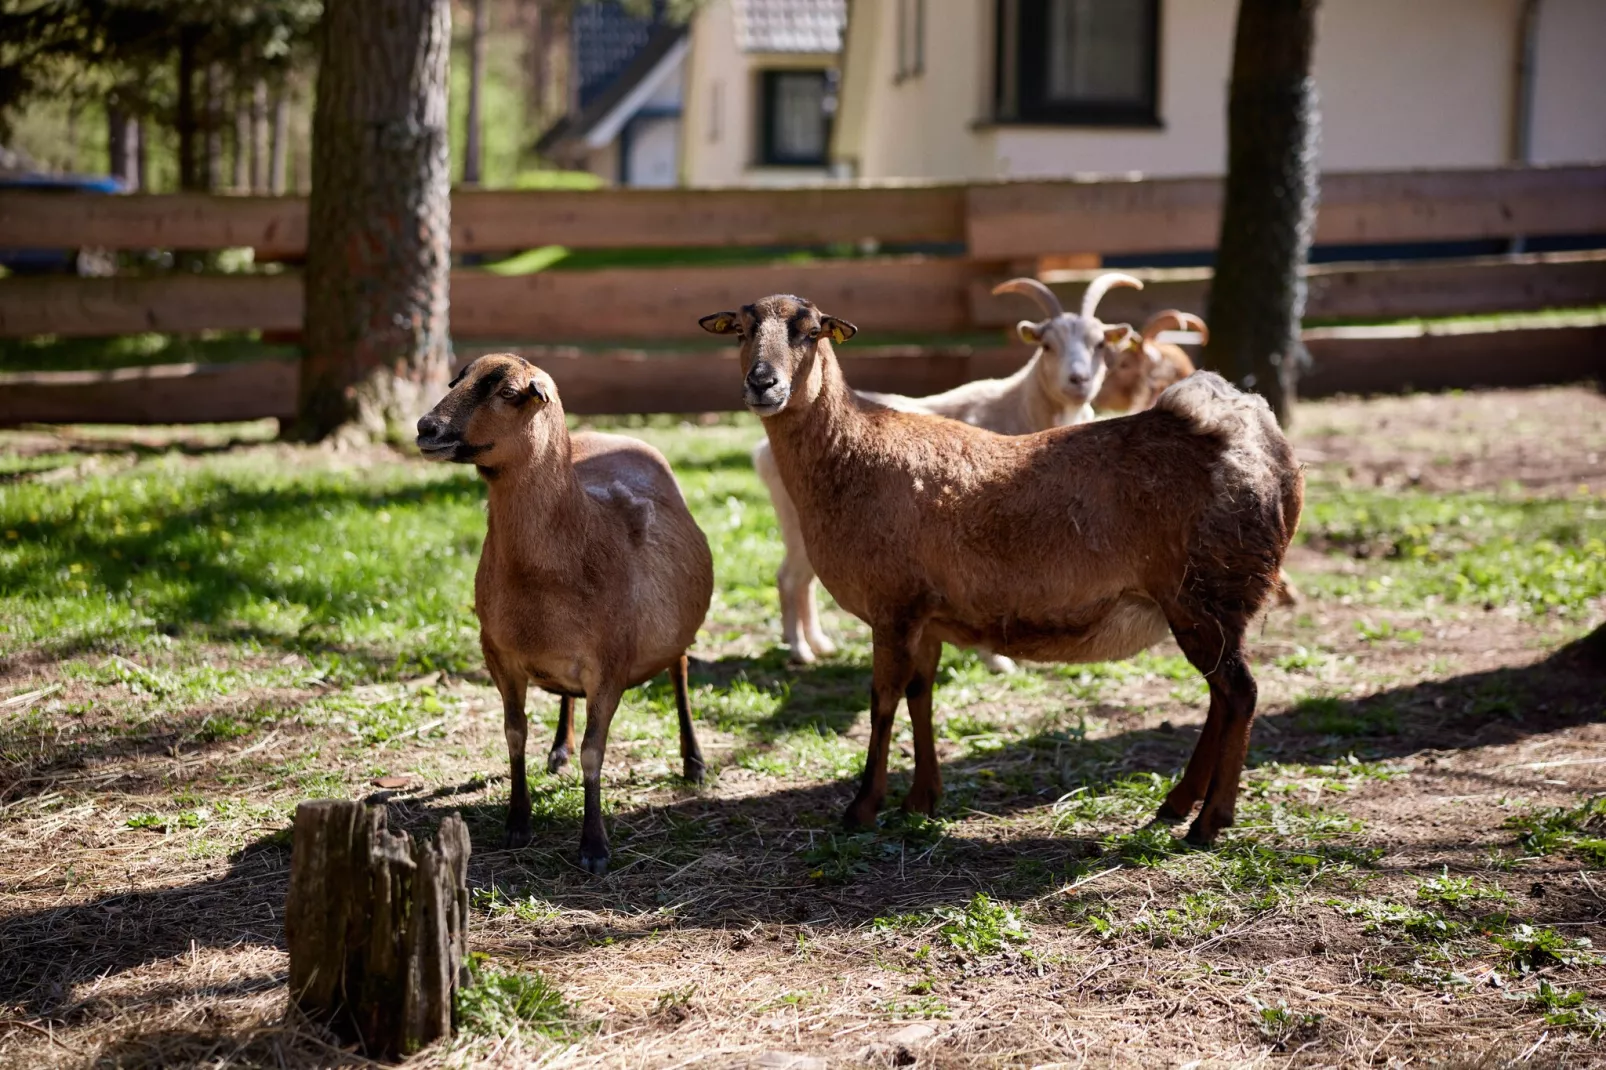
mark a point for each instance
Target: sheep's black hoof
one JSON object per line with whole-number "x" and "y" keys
{"x": 856, "y": 819}
{"x": 1165, "y": 819}
{"x": 515, "y": 838}
{"x": 1201, "y": 834}
{"x": 556, "y": 760}
{"x": 594, "y": 860}
{"x": 694, "y": 770}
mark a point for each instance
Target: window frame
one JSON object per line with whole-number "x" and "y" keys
{"x": 1020, "y": 61}
{"x": 769, "y": 87}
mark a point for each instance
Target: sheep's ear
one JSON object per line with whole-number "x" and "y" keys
{"x": 840, "y": 330}
{"x": 1031, "y": 333}
{"x": 721, "y": 323}
{"x": 538, "y": 392}
{"x": 1121, "y": 336}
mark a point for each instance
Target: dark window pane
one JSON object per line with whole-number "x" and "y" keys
{"x": 797, "y": 117}
{"x": 1098, "y": 50}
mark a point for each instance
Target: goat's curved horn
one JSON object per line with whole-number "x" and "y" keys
{"x": 1173, "y": 320}
{"x": 1036, "y": 291}
{"x": 1101, "y": 285}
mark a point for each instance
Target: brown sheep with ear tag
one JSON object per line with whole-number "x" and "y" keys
{"x": 594, "y": 577}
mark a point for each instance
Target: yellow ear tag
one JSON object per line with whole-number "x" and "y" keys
{"x": 838, "y": 335}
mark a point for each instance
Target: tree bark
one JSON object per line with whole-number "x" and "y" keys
{"x": 376, "y": 925}
{"x": 1257, "y": 298}
{"x": 378, "y": 250}
{"x": 472, "y": 149}
{"x": 212, "y": 125}
{"x": 189, "y": 157}
{"x": 242, "y": 140}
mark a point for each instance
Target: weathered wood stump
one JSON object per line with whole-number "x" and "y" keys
{"x": 376, "y": 925}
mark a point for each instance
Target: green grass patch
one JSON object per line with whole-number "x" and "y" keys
{"x": 1580, "y": 830}
{"x": 496, "y": 1002}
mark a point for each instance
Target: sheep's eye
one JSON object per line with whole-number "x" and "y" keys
{"x": 510, "y": 392}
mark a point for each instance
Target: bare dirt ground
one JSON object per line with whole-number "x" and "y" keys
{"x": 1376, "y": 906}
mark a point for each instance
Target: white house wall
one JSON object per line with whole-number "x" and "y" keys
{"x": 1423, "y": 83}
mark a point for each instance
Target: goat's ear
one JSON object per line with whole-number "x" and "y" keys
{"x": 840, "y": 330}
{"x": 1121, "y": 336}
{"x": 1031, "y": 333}
{"x": 721, "y": 323}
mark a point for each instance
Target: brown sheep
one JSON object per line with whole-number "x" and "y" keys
{"x": 1137, "y": 374}
{"x": 1075, "y": 544}
{"x": 594, "y": 577}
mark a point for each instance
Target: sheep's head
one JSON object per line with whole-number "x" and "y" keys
{"x": 499, "y": 409}
{"x": 1073, "y": 346}
{"x": 1137, "y": 375}
{"x": 778, "y": 336}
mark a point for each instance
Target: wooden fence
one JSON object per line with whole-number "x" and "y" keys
{"x": 974, "y": 235}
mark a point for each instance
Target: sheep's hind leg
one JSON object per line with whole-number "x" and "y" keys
{"x": 1238, "y": 708}
{"x": 794, "y": 581}
{"x": 926, "y": 790}
{"x": 890, "y": 675}
{"x": 600, "y": 707}
{"x": 563, "y": 741}
{"x": 691, "y": 756}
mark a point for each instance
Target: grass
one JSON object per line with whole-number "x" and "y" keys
{"x": 195, "y": 636}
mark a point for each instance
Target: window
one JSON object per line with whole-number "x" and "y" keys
{"x": 796, "y": 118}
{"x": 1078, "y": 61}
{"x": 911, "y": 39}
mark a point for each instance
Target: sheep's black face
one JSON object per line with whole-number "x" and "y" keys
{"x": 777, "y": 336}
{"x": 490, "y": 407}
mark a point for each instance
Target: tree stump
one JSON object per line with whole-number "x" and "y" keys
{"x": 376, "y": 925}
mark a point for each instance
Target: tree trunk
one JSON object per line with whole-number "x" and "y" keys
{"x": 376, "y": 925}
{"x": 212, "y": 143}
{"x": 378, "y": 249}
{"x": 242, "y": 141}
{"x": 189, "y": 157}
{"x": 122, "y": 146}
{"x": 142, "y": 158}
{"x": 476, "y": 75}
{"x": 259, "y": 137}
{"x": 278, "y": 158}
{"x": 1258, "y": 296}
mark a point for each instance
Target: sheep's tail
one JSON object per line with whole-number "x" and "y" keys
{"x": 1101, "y": 286}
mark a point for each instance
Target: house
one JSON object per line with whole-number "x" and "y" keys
{"x": 987, "y": 89}
{"x": 742, "y": 94}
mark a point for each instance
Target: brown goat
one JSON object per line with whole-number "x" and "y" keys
{"x": 594, "y": 577}
{"x": 1076, "y": 544}
{"x": 1137, "y": 374}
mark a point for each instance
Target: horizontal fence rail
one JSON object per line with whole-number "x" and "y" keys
{"x": 1345, "y": 360}
{"x": 905, "y": 295}
{"x": 997, "y": 221}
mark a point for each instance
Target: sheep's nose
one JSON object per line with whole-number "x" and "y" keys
{"x": 762, "y": 377}
{"x": 429, "y": 426}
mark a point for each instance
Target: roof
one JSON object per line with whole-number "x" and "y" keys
{"x": 801, "y": 26}
{"x": 607, "y": 38}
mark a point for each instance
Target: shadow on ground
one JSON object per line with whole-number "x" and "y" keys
{"x": 733, "y": 862}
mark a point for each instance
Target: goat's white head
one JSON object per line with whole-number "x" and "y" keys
{"x": 779, "y": 335}
{"x": 1074, "y": 346}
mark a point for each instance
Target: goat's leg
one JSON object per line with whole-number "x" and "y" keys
{"x": 512, "y": 685}
{"x": 691, "y": 756}
{"x": 926, "y": 789}
{"x": 892, "y": 668}
{"x": 794, "y": 580}
{"x": 998, "y": 663}
{"x": 563, "y": 741}
{"x": 600, "y": 707}
{"x": 1238, "y": 702}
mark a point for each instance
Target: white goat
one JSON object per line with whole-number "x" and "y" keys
{"x": 1053, "y": 389}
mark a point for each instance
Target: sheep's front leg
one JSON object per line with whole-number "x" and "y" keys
{"x": 892, "y": 669}
{"x": 691, "y": 756}
{"x": 926, "y": 789}
{"x": 563, "y": 741}
{"x": 512, "y": 685}
{"x": 600, "y": 707}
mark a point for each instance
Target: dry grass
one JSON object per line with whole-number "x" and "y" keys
{"x": 1369, "y": 909}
